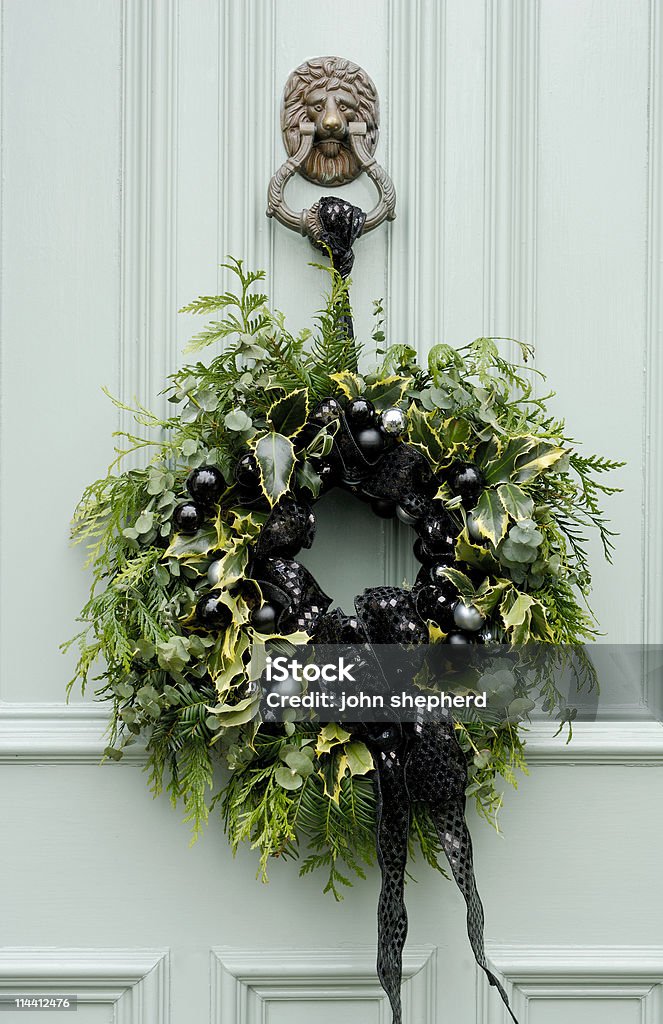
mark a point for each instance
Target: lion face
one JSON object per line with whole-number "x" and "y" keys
{"x": 330, "y": 92}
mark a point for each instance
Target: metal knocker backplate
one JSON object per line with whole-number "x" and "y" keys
{"x": 330, "y": 117}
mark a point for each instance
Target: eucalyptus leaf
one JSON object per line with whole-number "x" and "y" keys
{"x": 360, "y": 759}
{"x": 288, "y": 779}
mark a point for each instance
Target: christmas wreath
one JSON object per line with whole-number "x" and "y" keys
{"x": 194, "y": 566}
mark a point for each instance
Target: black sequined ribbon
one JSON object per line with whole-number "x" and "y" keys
{"x": 341, "y": 224}
{"x": 424, "y": 764}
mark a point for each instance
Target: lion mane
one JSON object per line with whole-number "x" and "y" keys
{"x": 329, "y": 73}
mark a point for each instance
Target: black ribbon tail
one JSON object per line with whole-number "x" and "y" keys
{"x": 392, "y": 831}
{"x": 456, "y": 841}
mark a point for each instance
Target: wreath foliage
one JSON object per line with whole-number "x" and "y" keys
{"x": 184, "y": 682}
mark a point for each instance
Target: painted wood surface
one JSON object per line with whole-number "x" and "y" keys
{"x": 138, "y": 137}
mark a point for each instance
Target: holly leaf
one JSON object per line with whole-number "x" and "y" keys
{"x": 490, "y": 517}
{"x": 331, "y": 772}
{"x": 489, "y": 595}
{"x": 461, "y": 582}
{"x": 185, "y": 546}
{"x": 387, "y": 392}
{"x": 518, "y": 504}
{"x": 275, "y": 456}
{"x": 517, "y": 610}
{"x": 424, "y": 437}
{"x": 498, "y": 460}
{"x": 541, "y": 457}
{"x": 330, "y": 736}
{"x": 289, "y": 414}
{"x": 308, "y": 478}
{"x": 349, "y": 383}
{"x": 475, "y": 555}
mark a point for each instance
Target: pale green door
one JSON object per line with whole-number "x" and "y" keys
{"x": 524, "y": 139}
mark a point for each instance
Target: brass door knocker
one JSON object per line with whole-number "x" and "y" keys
{"x": 330, "y": 117}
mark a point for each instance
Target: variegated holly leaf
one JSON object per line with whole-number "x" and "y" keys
{"x": 275, "y": 456}
{"x": 489, "y": 516}
{"x": 518, "y": 504}
{"x": 289, "y": 414}
{"x": 330, "y": 736}
{"x": 387, "y": 392}
{"x": 498, "y": 458}
{"x": 350, "y": 384}
{"x": 539, "y": 458}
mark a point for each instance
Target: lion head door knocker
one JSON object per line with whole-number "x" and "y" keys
{"x": 330, "y": 117}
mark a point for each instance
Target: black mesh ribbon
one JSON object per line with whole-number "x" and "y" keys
{"x": 341, "y": 224}
{"x": 426, "y": 765}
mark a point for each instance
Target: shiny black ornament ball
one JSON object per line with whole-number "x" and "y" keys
{"x": 205, "y": 484}
{"x": 187, "y": 517}
{"x": 438, "y": 533}
{"x": 212, "y": 613}
{"x": 359, "y": 412}
{"x": 437, "y": 605}
{"x": 328, "y": 410}
{"x": 422, "y": 554}
{"x": 384, "y": 509}
{"x": 370, "y": 442}
{"x": 264, "y": 619}
{"x": 466, "y": 480}
{"x": 437, "y": 573}
{"x": 247, "y": 473}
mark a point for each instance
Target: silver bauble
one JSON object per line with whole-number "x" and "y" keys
{"x": 214, "y": 573}
{"x": 392, "y": 422}
{"x": 404, "y": 516}
{"x": 466, "y": 616}
{"x": 473, "y": 529}
{"x": 289, "y": 687}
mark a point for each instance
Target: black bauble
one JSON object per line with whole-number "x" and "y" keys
{"x": 370, "y": 442}
{"x": 247, "y": 473}
{"x": 187, "y": 517}
{"x": 437, "y": 574}
{"x": 264, "y": 618}
{"x": 212, "y": 613}
{"x": 438, "y": 533}
{"x": 438, "y": 605}
{"x": 384, "y": 509}
{"x": 359, "y": 412}
{"x": 205, "y": 484}
{"x": 466, "y": 480}
{"x": 422, "y": 554}
{"x": 326, "y": 411}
